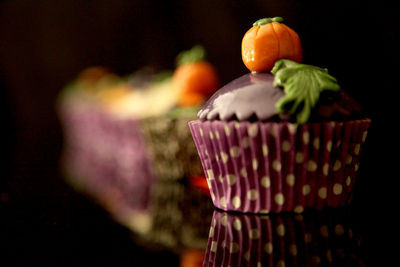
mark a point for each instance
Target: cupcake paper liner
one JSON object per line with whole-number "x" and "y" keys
{"x": 170, "y": 144}
{"x": 309, "y": 239}
{"x": 273, "y": 167}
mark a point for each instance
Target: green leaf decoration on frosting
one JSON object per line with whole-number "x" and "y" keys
{"x": 302, "y": 85}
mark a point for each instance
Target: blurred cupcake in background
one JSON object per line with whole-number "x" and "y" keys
{"x": 123, "y": 134}
{"x": 171, "y": 148}
{"x": 325, "y": 238}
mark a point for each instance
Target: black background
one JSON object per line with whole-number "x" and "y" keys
{"x": 44, "y": 44}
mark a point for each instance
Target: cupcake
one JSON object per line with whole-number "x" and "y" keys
{"x": 326, "y": 238}
{"x": 284, "y": 137}
{"x": 169, "y": 141}
{"x": 104, "y": 155}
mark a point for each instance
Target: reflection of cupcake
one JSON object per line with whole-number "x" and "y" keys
{"x": 283, "y": 140}
{"x": 311, "y": 239}
{"x": 179, "y": 217}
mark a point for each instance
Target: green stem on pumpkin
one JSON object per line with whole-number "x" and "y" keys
{"x": 264, "y": 21}
{"x": 197, "y": 53}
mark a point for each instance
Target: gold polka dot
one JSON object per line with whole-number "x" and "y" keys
{"x": 236, "y": 202}
{"x": 315, "y": 260}
{"x": 217, "y": 135}
{"x": 337, "y": 189}
{"x": 337, "y": 165}
{"x": 293, "y": 249}
{"x": 316, "y": 143}
{"x": 299, "y": 209}
{"x": 292, "y": 128}
{"x": 252, "y": 194}
{"x": 206, "y": 152}
{"x": 264, "y": 212}
{"x": 325, "y": 169}
{"x": 227, "y": 130}
{"x": 265, "y": 150}
{"x": 253, "y": 130}
{"x": 306, "y": 137}
{"x": 357, "y": 149}
{"x": 245, "y": 142}
{"x": 306, "y": 189}
{"x": 290, "y": 179}
{"x": 285, "y": 146}
{"x": 224, "y": 220}
{"x": 329, "y": 256}
{"x": 237, "y": 125}
{"x": 348, "y": 180}
{"x": 237, "y": 224}
{"x": 243, "y": 172}
{"x": 349, "y": 159}
{"x": 247, "y": 256}
{"x": 254, "y": 234}
{"x": 356, "y": 166}
{"x": 279, "y": 199}
{"x": 329, "y": 146}
{"x": 211, "y": 233}
{"x": 213, "y": 246}
{"x": 234, "y": 247}
{"x": 268, "y": 247}
{"x": 311, "y": 166}
{"x": 299, "y": 157}
{"x": 339, "y": 230}
{"x": 255, "y": 164}
{"x": 259, "y": 264}
{"x": 201, "y": 132}
{"x": 211, "y": 135}
{"x": 210, "y": 174}
{"x": 272, "y": 131}
{"x": 223, "y": 243}
{"x": 364, "y": 136}
{"x": 281, "y": 263}
{"x": 280, "y": 230}
{"x": 324, "y": 231}
{"x": 222, "y": 202}
{"x": 322, "y": 192}
{"x": 216, "y": 157}
{"x": 266, "y": 182}
{"x": 276, "y": 165}
{"x": 235, "y": 151}
{"x": 231, "y": 178}
{"x": 338, "y": 143}
{"x": 307, "y": 237}
{"x": 212, "y": 197}
{"x": 224, "y": 157}
{"x": 220, "y": 179}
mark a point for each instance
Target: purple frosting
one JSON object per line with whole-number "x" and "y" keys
{"x": 232, "y": 100}
{"x": 254, "y": 96}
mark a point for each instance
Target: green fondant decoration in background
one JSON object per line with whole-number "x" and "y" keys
{"x": 302, "y": 85}
{"x": 196, "y": 53}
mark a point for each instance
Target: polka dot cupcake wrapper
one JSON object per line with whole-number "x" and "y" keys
{"x": 274, "y": 167}
{"x": 319, "y": 239}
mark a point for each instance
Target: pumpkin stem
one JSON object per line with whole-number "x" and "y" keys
{"x": 197, "y": 53}
{"x": 264, "y": 21}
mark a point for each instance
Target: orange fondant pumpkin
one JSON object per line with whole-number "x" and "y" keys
{"x": 195, "y": 78}
{"x": 267, "y": 41}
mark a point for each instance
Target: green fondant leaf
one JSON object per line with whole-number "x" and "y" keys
{"x": 302, "y": 85}
{"x": 196, "y": 53}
